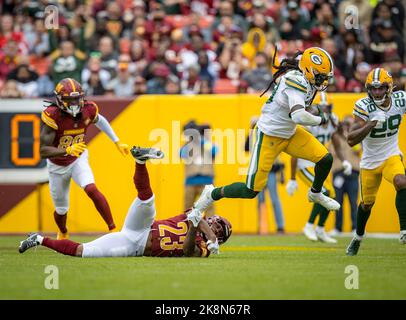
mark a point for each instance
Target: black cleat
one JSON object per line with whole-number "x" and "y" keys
{"x": 353, "y": 248}
{"x": 28, "y": 243}
{"x": 144, "y": 154}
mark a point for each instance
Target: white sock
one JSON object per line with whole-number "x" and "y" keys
{"x": 40, "y": 239}
{"x": 319, "y": 229}
{"x": 359, "y": 238}
{"x": 140, "y": 161}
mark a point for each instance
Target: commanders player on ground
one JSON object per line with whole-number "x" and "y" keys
{"x": 377, "y": 120}
{"x": 62, "y": 143}
{"x": 324, "y": 133}
{"x": 187, "y": 234}
{"x": 277, "y": 130}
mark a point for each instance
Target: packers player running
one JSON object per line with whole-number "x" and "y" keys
{"x": 299, "y": 79}
{"x": 377, "y": 120}
{"x": 324, "y": 133}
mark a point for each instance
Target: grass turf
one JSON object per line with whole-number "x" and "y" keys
{"x": 249, "y": 267}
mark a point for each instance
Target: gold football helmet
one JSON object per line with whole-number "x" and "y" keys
{"x": 317, "y": 66}
{"x": 379, "y": 85}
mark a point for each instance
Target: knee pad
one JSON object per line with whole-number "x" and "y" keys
{"x": 249, "y": 193}
{"x": 61, "y": 210}
{"x": 327, "y": 160}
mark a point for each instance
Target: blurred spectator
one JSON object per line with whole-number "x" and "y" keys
{"x": 37, "y": 38}
{"x": 123, "y": 83}
{"x": 397, "y": 13}
{"x": 94, "y": 67}
{"x": 226, "y": 8}
{"x": 26, "y": 80}
{"x": 294, "y": 26}
{"x": 156, "y": 85}
{"x": 357, "y": 84}
{"x": 231, "y": 59}
{"x": 10, "y": 90}
{"x": 398, "y": 71}
{"x": 386, "y": 43}
{"x": 190, "y": 81}
{"x": 259, "y": 78}
{"x": 325, "y": 21}
{"x": 7, "y": 33}
{"x": 108, "y": 55}
{"x": 198, "y": 154}
{"x": 8, "y": 59}
{"x": 205, "y": 87}
{"x": 172, "y": 85}
{"x": 140, "y": 85}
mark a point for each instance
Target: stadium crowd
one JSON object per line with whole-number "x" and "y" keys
{"x": 130, "y": 47}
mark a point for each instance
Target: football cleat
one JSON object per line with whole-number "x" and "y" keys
{"x": 353, "y": 248}
{"x": 327, "y": 202}
{"x": 309, "y": 232}
{"x": 323, "y": 237}
{"x": 205, "y": 199}
{"x": 62, "y": 236}
{"x": 402, "y": 238}
{"x": 143, "y": 154}
{"x": 28, "y": 243}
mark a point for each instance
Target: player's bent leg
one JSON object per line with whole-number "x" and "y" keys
{"x": 399, "y": 182}
{"x": 101, "y": 204}
{"x": 59, "y": 188}
{"x": 363, "y": 213}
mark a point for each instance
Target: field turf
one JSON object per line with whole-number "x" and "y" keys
{"x": 249, "y": 267}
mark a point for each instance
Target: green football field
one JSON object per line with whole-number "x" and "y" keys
{"x": 249, "y": 267}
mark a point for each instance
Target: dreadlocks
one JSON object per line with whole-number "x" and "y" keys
{"x": 286, "y": 65}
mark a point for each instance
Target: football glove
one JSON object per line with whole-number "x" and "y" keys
{"x": 123, "y": 148}
{"x": 213, "y": 247}
{"x": 347, "y": 166}
{"x": 291, "y": 187}
{"x": 324, "y": 117}
{"x": 194, "y": 216}
{"x": 379, "y": 117}
{"x": 76, "y": 149}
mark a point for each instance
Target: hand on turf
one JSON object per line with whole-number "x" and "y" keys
{"x": 76, "y": 149}
{"x": 123, "y": 148}
{"x": 213, "y": 247}
{"x": 347, "y": 166}
{"x": 379, "y": 117}
{"x": 292, "y": 187}
{"x": 194, "y": 216}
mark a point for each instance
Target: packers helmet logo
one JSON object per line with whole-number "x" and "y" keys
{"x": 316, "y": 59}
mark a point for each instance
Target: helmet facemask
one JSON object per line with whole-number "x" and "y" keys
{"x": 379, "y": 92}
{"x": 321, "y": 80}
{"x": 221, "y": 228}
{"x": 71, "y": 104}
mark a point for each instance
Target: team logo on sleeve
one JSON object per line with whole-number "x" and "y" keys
{"x": 316, "y": 59}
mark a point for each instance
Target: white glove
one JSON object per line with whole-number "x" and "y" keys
{"x": 195, "y": 216}
{"x": 379, "y": 116}
{"x": 291, "y": 187}
{"x": 347, "y": 166}
{"x": 213, "y": 247}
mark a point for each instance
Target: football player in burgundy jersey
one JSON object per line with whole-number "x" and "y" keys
{"x": 63, "y": 145}
{"x": 188, "y": 234}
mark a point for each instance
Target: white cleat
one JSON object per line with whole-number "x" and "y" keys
{"x": 402, "y": 238}
{"x": 327, "y": 202}
{"x": 334, "y": 233}
{"x": 309, "y": 232}
{"x": 205, "y": 199}
{"x": 323, "y": 237}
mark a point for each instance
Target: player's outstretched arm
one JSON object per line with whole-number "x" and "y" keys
{"x": 103, "y": 125}
{"x": 189, "y": 245}
{"x": 359, "y": 130}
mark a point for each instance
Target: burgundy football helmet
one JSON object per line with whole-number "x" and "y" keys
{"x": 69, "y": 96}
{"x": 221, "y": 227}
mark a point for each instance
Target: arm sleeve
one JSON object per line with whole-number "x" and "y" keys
{"x": 303, "y": 117}
{"x": 104, "y": 126}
